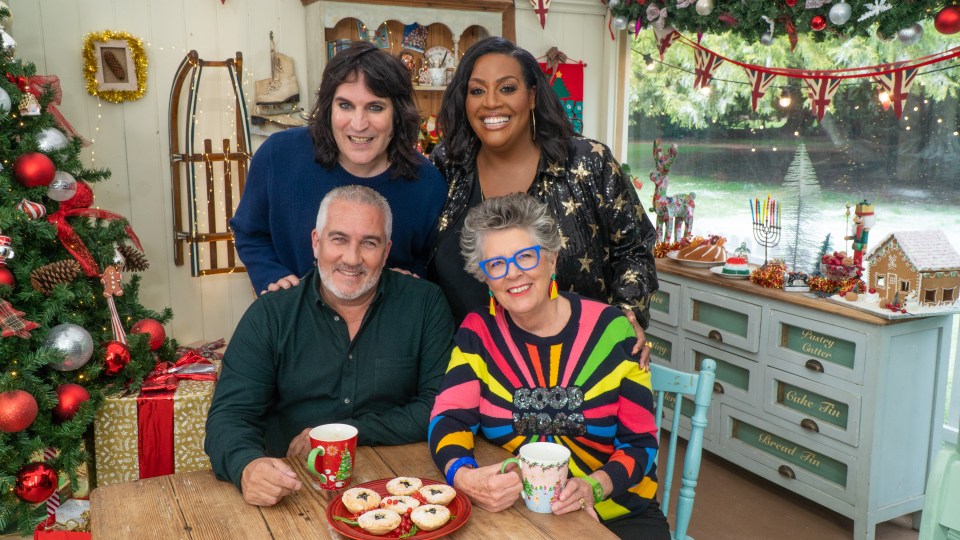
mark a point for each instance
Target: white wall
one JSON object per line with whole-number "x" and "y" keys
{"x": 131, "y": 138}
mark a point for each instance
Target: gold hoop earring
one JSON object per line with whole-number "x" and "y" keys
{"x": 533, "y": 122}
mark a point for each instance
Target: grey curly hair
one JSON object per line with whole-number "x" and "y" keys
{"x": 517, "y": 210}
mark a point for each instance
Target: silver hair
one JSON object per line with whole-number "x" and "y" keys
{"x": 357, "y": 194}
{"x": 517, "y": 210}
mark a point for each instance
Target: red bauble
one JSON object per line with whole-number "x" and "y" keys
{"x": 791, "y": 3}
{"x": 818, "y": 23}
{"x": 36, "y": 482}
{"x": 948, "y": 20}
{"x": 152, "y": 327}
{"x": 18, "y": 409}
{"x": 6, "y": 277}
{"x": 69, "y": 397}
{"x": 34, "y": 169}
{"x": 116, "y": 357}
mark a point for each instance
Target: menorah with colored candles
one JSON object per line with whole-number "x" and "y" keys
{"x": 766, "y": 223}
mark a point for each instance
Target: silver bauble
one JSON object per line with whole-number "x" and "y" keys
{"x": 910, "y": 34}
{"x": 619, "y": 22}
{"x": 7, "y": 44}
{"x": 118, "y": 259}
{"x": 74, "y": 342}
{"x": 51, "y": 139}
{"x": 613, "y": 3}
{"x": 767, "y": 39}
{"x": 704, "y": 7}
{"x": 63, "y": 186}
{"x": 5, "y": 102}
{"x": 840, "y": 13}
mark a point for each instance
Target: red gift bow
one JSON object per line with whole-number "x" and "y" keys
{"x": 36, "y": 85}
{"x": 77, "y": 206}
{"x": 166, "y": 375}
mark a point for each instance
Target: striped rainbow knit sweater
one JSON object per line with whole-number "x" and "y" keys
{"x": 579, "y": 388}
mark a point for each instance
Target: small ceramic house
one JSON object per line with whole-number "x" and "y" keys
{"x": 918, "y": 263}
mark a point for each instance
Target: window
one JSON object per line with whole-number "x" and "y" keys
{"x": 950, "y": 295}
{"x": 881, "y": 281}
{"x": 904, "y": 286}
{"x": 930, "y": 296}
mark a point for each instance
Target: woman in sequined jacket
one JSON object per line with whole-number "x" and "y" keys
{"x": 505, "y": 131}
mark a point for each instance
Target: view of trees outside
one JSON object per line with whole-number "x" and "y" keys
{"x": 909, "y": 168}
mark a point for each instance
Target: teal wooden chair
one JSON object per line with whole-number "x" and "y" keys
{"x": 666, "y": 381}
{"x": 941, "y": 505}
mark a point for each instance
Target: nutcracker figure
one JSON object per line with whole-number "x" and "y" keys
{"x": 863, "y": 221}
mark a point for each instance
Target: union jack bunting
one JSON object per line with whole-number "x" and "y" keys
{"x": 665, "y": 38}
{"x": 897, "y": 84}
{"x": 821, "y": 91}
{"x": 704, "y": 63}
{"x": 540, "y": 8}
{"x": 759, "y": 83}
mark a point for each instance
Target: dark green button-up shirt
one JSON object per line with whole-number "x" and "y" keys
{"x": 291, "y": 364}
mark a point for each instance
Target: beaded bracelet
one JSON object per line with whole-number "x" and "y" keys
{"x": 460, "y": 462}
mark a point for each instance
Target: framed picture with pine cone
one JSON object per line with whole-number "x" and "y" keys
{"x": 115, "y": 66}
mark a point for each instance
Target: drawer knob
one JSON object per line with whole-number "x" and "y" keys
{"x": 809, "y": 425}
{"x": 715, "y": 335}
{"x": 717, "y": 388}
{"x": 814, "y": 365}
{"x": 787, "y": 472}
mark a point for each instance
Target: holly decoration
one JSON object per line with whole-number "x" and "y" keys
{"x": 18, "y": 409}
{"x": 36, "y": 482}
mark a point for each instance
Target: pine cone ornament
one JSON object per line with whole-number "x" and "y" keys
{"x": 134, "y": 261}
{"x": 115, "y": 66}
{"x": 45, "y": 278}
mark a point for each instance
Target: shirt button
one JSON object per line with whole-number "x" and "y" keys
{"x": 346, "y": 400}
{"x": 350, "y": 356}
{"x": 336, "y": 318}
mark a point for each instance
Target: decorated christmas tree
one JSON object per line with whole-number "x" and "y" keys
{"x": 65, "y": 307}
{"x": 800, "y": 201}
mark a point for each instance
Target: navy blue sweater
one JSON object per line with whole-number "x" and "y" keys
{"x": 278, "y": 209}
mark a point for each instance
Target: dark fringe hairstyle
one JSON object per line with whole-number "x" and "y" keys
{"x": 553, "y": 126}
{"x": 386, "y": 77}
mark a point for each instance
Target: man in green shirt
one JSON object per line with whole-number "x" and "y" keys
{"x": 352, "y": 344}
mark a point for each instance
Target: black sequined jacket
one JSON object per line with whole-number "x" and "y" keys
{"x": 608, "y": 240}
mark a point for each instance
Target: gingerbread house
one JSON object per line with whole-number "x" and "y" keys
{"x": 915, "y": 264}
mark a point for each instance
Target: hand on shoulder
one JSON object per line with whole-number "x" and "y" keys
{"x": 283, "y": 283}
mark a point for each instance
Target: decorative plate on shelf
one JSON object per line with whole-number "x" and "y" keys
{"x": 695, "y": 264}
{"x": 440, "y": 56}
{"x": 718, "y": 270}
{"x": 460, "y": 508}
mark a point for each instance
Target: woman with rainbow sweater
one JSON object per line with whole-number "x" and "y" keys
{"x": 544, "y": 365}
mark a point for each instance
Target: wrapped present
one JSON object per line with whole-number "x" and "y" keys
{"x": 71, "y": 522}
{"x": 159, "y": 431}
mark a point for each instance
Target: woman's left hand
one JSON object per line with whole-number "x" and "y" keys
{"x": 576, "y": 495}
{"x": 641, "y": 347}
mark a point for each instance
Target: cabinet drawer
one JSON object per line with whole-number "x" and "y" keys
{"x": 665, "y": 304}
{"x": 737, "y": 377}
{"x": 825, "y": 350}
{"x": 723, "y": 319}
{"x": 664, "y": 346}
{"x": 821, "y": 410}
{"x": 786, "y": 457}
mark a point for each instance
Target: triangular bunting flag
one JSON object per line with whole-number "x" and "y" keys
{"x": 705, "y": 62}
{"x": 665, "y": 38}
{"x": 821, "y": 91}
{"x": 897, "y": 84}
{"x": 759, "y": 82}
{"x": 541, "y": 7}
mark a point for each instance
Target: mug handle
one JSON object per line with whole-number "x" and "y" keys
{"x": 508, "y": 461}
{"x": 312, "y": 460}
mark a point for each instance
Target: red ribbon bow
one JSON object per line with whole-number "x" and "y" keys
{"x": 78, "y": 205}
{"x": 207, "y": 350}
{"x": 165, "y": 376}
{"x": 36, "y": 85}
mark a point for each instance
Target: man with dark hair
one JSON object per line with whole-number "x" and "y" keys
{"x": 363, "y": 130}
{"x": 353, "y": 344}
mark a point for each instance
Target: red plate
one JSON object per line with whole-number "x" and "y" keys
{"x": 460, "y": 507}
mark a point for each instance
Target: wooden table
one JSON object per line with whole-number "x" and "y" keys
{"x": 196, "y": 505}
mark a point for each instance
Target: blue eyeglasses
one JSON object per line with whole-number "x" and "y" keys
{"x": 524, "y": 259}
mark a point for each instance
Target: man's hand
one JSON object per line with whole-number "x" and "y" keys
{"x": 282, "y": 283}
{"x": 489, "y": 489}
{"x": 641, "y": 347}
{"x": 300, "y": 445}
{"x": 267, "y": 480}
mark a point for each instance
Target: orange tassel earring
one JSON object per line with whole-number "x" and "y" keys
{"x": 493, "y": 304}
{"x": 554, "y": 293}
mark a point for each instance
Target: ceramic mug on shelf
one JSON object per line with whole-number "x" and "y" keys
{"x": 333, "y": 455}
{"x": 437, "y": 76}
{"x": 543, "y": 466}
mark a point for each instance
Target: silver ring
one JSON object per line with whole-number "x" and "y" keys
{"x": 582, "y": 504}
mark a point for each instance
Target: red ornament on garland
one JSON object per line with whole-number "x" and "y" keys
{"x": 791, "y": 3}
{"x": 152, "y": 327}
{"x": 18, "y": 409}
{"x": 818, "y": 23}
{"x": 948, "y": 20}
{"x": 116, "y": 357}
{"x": 34, "y": 169}
{"x": 36, "y": 482}
{"x": 6, "y": 276}
{"x": 69, "y": 398}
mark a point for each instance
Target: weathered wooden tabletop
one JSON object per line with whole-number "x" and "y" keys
{"x": 197, "y": 506}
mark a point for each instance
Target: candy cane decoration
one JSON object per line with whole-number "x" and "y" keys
{"x": 54, "y": 501}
